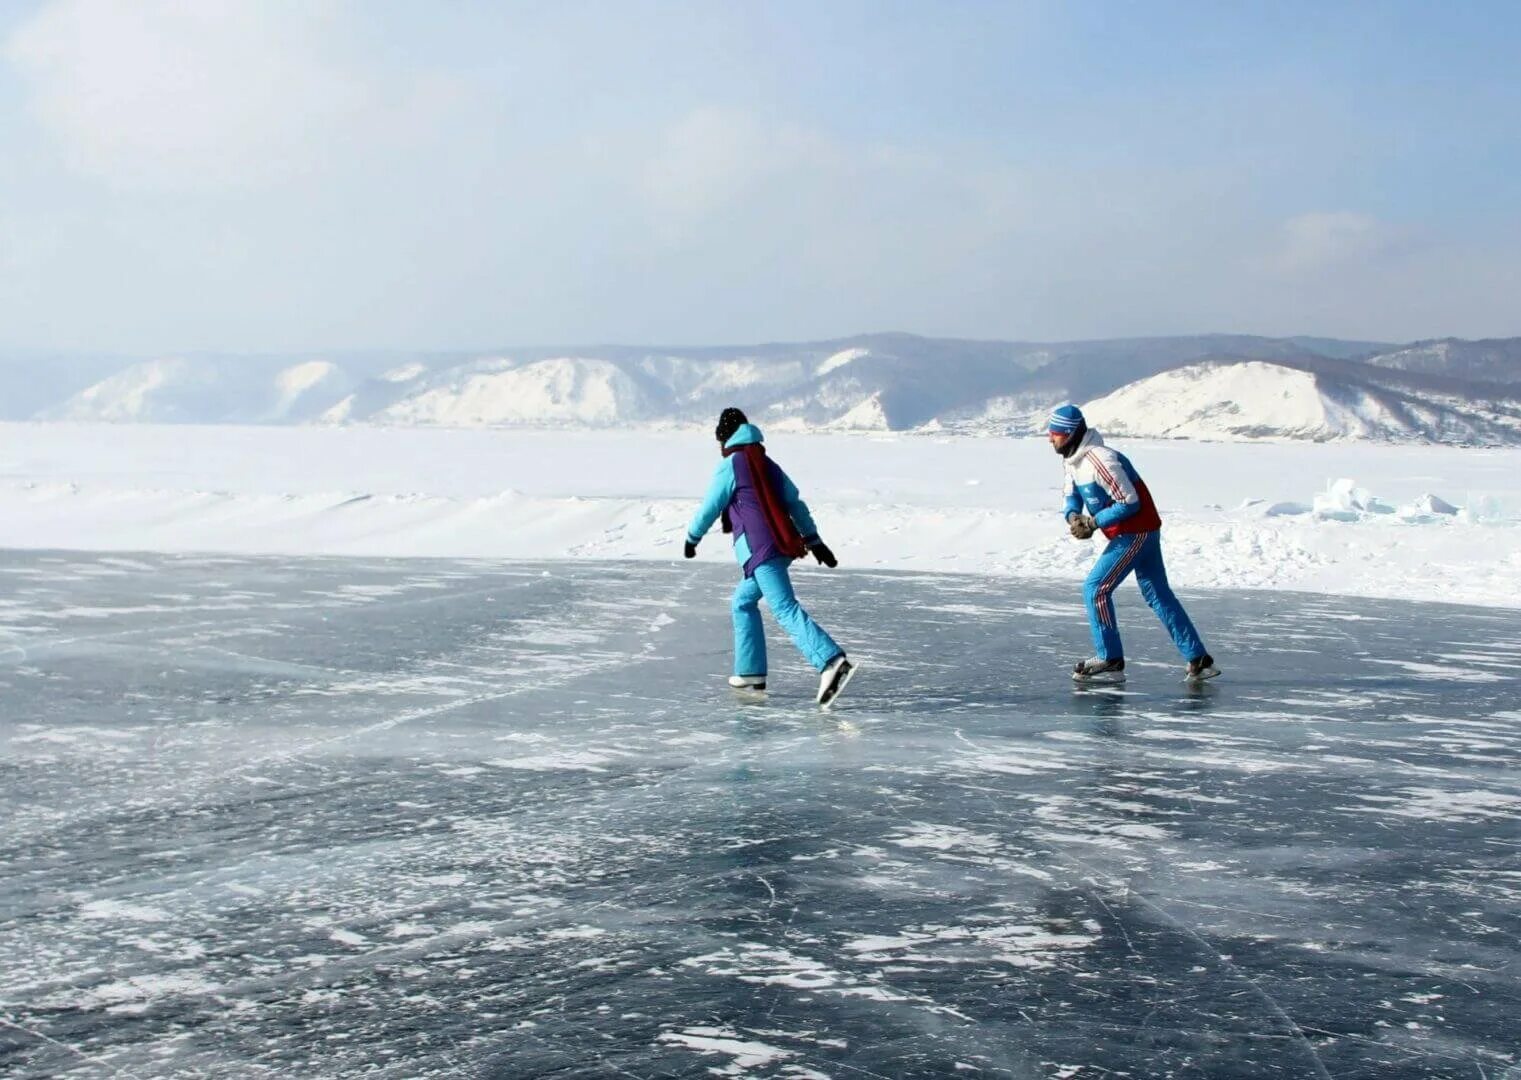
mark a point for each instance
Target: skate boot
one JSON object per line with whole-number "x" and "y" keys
{"x": 1096, "y": 669}
{"x": 747, "y": 682}
{"x": 833, "y": 678}
{"x": 1201, "y": 668}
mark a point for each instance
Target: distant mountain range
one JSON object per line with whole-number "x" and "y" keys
{"x": 1209, "y": 386}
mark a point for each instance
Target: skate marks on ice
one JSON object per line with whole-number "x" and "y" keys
{"x": 342, "y": 818}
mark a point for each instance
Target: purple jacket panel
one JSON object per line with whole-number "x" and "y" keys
{"x": 748, "y": 516}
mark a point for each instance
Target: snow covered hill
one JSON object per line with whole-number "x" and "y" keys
{"x": 208, "y": 390}
{"x": 1212, "y": 400}
{"x": 1494, "y": 360}
{"x": 1312, "y": 400}
{"x": 563, "y": 390}
{"x": 1216, "y": 386}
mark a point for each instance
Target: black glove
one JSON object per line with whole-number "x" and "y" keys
{"x": 689, "y": 549}
{"x": 822, "y": 553}
{"x": 1081, "y": 526}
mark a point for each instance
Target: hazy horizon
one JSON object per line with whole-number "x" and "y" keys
{"x": 772, "y": 342}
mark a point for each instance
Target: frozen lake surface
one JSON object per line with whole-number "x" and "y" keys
{"x": 335, "y": 817}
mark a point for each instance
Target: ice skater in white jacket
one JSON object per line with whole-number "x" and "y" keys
{"x": 1105, "y": 494}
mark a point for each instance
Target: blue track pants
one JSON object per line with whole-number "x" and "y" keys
{"x": 771, "y": 581}
{"x": 1142, "y": 553}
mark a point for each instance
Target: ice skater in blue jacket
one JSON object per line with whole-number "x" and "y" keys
{"x": 771, "y": 524}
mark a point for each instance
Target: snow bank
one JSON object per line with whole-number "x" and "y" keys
{"x": 1445, "y": 523}
{"x": 1343, "y": 500}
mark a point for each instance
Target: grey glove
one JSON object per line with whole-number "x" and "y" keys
{"x": 1081, "y": 526}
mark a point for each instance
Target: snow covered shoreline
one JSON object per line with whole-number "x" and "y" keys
{"x": 1236, "y": 515}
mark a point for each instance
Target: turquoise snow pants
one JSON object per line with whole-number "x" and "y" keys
{"x": 771, "y": 581}
{"x": 1142, "y": 553}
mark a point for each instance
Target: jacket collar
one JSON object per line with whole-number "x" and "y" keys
{"x": 1091, "y": 438}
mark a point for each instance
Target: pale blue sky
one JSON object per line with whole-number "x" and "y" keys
{"x": 316, "y": 174}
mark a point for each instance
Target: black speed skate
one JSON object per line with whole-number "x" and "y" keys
{"x": 1096, "y": 669}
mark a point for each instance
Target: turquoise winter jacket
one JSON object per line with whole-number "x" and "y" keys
{"x": 732, "y": 489}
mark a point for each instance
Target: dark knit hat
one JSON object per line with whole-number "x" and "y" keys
{"x": 729, "y": 421}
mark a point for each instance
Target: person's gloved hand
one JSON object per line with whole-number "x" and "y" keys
{"x": 689, "y": 549}
{"x": 1081, "y": 526}
{"x": 822, "y": 553}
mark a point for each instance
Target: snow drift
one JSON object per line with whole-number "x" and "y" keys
{"x": 1416, "y": 522}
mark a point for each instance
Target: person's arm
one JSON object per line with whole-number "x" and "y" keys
{"x": 720, "y": 492}
{"x": 1072, "y": 504}
{"x": 1079, "y": 524}
{"x": 1115, "y": 480}
{"x": 798, "y": 511}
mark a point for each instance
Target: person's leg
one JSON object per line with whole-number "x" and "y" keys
{"x": 749, "y": 633}
{"x": 1112, "y": 566}
{"x": 776, "y": 585}
{"x": 1151, "y": 576}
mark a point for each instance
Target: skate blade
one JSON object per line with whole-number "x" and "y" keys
{"x": 839, "y": 687}
{"x": 1108, "y": 678}
{"x": 1207, "y": 673}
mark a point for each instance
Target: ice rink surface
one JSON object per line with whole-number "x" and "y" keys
{"x": 336, "y": 817}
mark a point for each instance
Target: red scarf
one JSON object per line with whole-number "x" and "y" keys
{"x": 788, "y": 540}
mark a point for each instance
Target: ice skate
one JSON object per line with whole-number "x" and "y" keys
{"x": 833, "y": 679}
{"x": 1096, "y": 669}
{"x": 1201, "y": 668}
{"x": 748, "y": 683}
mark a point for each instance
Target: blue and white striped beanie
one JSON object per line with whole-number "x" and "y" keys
{"x": 1066, "y": 418}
